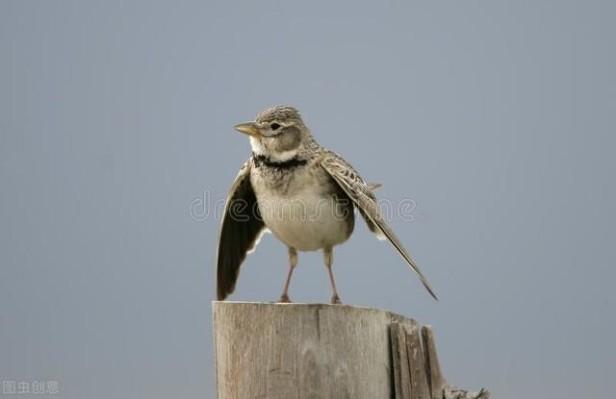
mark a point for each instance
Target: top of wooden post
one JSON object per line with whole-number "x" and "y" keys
{"x": 296, "y": 350}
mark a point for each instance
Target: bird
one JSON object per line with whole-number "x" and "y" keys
{"x": 301, "y": 192}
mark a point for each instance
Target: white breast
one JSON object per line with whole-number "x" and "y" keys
{"x": 305, "y": 217}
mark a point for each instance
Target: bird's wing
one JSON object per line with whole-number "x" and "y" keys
{"x": 365, "y": 201}
{"x": 240, "y": 230}
{"x": 374, "y": 186}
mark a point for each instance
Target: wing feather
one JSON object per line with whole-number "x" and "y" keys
{"x": 362, "y": 196}
{"x": 240, "y": 230}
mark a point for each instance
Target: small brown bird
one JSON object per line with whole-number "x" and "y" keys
{"x": 303, "y": 193}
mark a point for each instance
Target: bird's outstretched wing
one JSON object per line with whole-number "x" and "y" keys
{"x": 362, "y": 196}
{"x": 240, "y": 230}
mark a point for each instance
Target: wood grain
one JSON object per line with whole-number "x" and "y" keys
{"x": 286, "y": 351}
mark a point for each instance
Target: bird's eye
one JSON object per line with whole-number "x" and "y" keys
{"x": 275, "y": 126}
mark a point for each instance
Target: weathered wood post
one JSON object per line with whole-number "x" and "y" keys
{"x": 284, "y": 351}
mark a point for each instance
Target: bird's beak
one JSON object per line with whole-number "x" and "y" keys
{"x": 249, "y": 128}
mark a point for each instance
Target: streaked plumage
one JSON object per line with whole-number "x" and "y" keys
{"x": 303, "y": 193}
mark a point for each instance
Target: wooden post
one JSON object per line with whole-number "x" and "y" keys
{"x": 284, "y": 351}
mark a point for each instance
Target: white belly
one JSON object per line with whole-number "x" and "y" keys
{"x": 306, "y": 221}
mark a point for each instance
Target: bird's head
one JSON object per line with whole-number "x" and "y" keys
{"x": 277, "y": 133}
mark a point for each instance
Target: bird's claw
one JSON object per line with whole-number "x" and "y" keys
{"x": 284, "y": 299}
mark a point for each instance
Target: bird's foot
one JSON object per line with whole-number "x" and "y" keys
{"x": 336, "y": 300}
{"x": 284, "y": 299}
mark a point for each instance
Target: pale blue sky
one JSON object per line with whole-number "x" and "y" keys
{"x": 496, "y": 117}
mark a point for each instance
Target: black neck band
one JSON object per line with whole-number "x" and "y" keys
{"x": 281, "y": 165}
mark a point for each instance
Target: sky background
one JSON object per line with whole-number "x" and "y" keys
{"x": 497, "y": 118}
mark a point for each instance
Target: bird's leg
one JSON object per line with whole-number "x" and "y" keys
{"x": 328, "y": 255}
{"x": 284, "y": 298}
